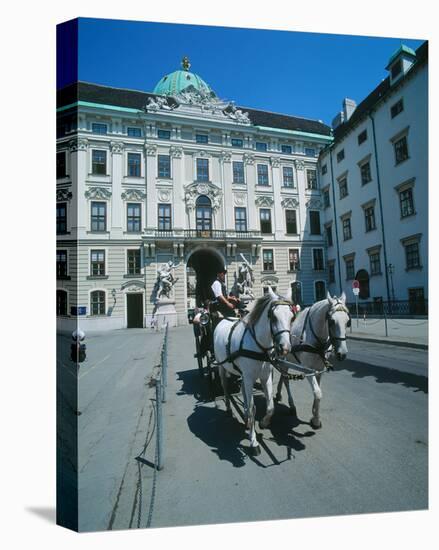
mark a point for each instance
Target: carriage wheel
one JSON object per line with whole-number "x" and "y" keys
{"x": 199, "y": 356}
{"x": 211, "y": 375}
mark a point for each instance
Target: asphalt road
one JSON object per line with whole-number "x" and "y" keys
{"x": 370, "y": 455}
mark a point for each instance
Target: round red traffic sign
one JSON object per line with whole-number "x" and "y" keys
{"x": 355, "y": 284}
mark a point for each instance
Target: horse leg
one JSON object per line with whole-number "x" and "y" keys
{"x": 254, "y": 445}
{"x": 279, "y": 389}
{"x": 267, "y": 386}
{"x": 316, "y": 423}
{"x": 291, "y": 404}
{"x": 224, "y": 380}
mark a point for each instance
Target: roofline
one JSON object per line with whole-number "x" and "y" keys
{"x": 165, "y": 95}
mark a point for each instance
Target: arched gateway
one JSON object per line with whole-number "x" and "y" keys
{"x": 202, "y": 266}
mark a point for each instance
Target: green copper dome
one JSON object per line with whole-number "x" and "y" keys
{"x": 178, "y": 81}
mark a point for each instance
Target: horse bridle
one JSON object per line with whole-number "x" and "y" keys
{"x": 339, "y": 306}
{"x": 273, "y": 305}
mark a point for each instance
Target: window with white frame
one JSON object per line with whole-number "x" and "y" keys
{"x": 350, "y": 267}
{"x": 369, "y": 217}
{"x": 202, "y": 169}
{"x": 374, "y": 261}
{"x": 288, "y": 179}
{"x": 97, "y": 302}
{"x": 240, "y": 219}
{"x": 97, "y": 263}
{"x": 238, "y": 172}
{"x": 291, "y": 221}
{"x": 365, "y": 173}
{"x": 406, "y": 203}
{"x": 412, "y": 252}
{"x": 164, "y": 166}
{"x": 311, "y": 179}
{"x": 132, "y": 131}
{"x": 99, "y": 162}
{"x": 347, "y": 229}
{"x": 134, "y": 162}
{"x": 262, "y": 174}
{"x": 61, "y": 218}
{"x": 267, "y": 259}
{"x": 61, "y": 264}
{"x": 134, "y": 217}
{"x": 293, "y": 259}
{"x": 133, "y": 261}
{"x": 265, "y": 219}
{"x": 343, "y": 187}
{"x": 99, "y": 128}
{"x": 98, "y": 216}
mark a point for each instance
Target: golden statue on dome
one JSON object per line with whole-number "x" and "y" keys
{"x": 185, "y": 63}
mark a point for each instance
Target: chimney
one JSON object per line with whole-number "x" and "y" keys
{"x": 337, "y": 120}
{"x": 349, "y": 107}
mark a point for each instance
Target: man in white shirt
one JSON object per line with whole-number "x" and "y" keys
{"x": 222, "y": 302}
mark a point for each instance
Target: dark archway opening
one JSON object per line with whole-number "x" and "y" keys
{"x": 206, "y": 263}
{"x": 363, "y": 278}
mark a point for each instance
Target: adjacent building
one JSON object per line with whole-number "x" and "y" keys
{"x": 374, "y": 184}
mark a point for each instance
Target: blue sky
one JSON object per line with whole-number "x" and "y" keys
{"x": 296, "y": 73}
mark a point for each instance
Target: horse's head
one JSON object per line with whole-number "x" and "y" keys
{"x": 281, "y": 316}
{"x": 338, "y": 320}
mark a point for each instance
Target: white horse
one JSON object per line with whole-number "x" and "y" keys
{"x": 243, "y": 347}
{"x": 323, "y": 327}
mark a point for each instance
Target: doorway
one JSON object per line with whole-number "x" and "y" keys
{"x": 203, "y": 215}
{"x": 205, "y": 262}
{"x": 363, "y": 278}
{"x": 135, "y": 310}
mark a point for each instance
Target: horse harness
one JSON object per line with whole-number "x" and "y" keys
{"x": 322, "y": 347}
{"x": 266, "y": 354}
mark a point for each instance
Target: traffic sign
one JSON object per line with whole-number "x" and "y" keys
{"x": 356, "y": 291}
{"x": 355, "y": 284}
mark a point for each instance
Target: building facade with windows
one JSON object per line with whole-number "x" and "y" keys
{"x": 180, "y": 176}
{"x": 374, "y": 184}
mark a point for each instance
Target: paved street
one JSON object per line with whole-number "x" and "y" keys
{"x": 370, "y": 455}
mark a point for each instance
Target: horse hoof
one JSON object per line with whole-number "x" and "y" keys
{"x": 263, "y": 426}
{"x": 316, "y": 424}
{"x": 293, "y": 411}
{"x": 278, "y": 398}
{"x": 255, "y": 451}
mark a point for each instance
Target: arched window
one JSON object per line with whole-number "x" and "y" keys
{"x": 61, "y": 302}
{"x": 97, "y": 302}
{"x": 204, "y": 214}
{"x": 319, "y": 290}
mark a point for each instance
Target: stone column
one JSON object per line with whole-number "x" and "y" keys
{"x": 151, "y": 195}
{"x": 117, "y": 171}
{"x": 250, "y": 180}
{"x": 177, "y": 160}
{"x": 278, "y": 222}
{"x": 228, "y": 210}
{"x": 79, "y": 170}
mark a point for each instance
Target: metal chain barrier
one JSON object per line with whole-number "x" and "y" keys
{"x": 159, "y": 380}
{"x": 408, "y": 324}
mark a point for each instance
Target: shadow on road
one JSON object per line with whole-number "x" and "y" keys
{"x": 219, "y": 431}
{"x": 384, "y": 375}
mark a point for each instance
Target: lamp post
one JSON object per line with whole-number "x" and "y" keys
{"x": 390, "y": 271}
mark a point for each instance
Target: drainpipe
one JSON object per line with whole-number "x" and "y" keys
{"x": 335, "y": 220}
{"x": 381, "y": 205}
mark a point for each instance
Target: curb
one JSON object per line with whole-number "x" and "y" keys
{"x": 390, "y": 342}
